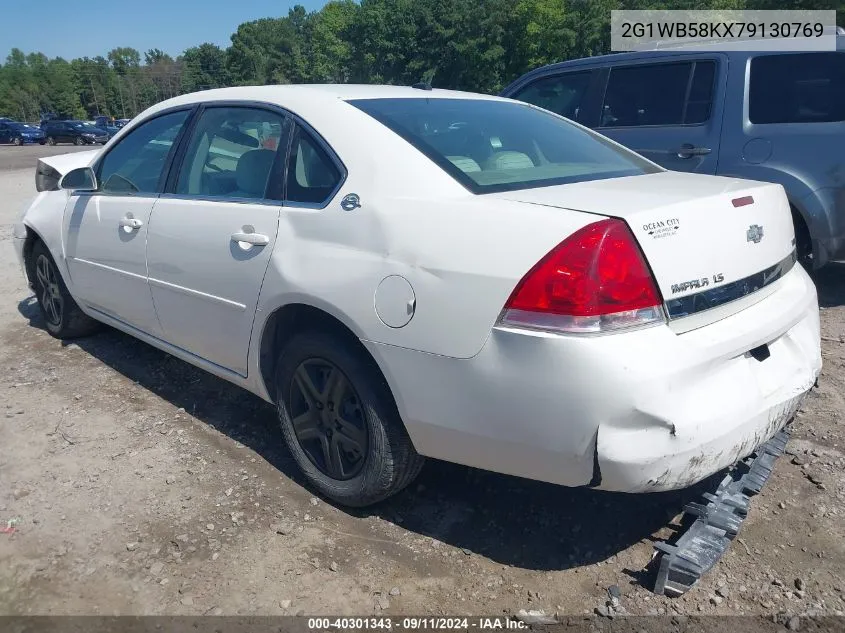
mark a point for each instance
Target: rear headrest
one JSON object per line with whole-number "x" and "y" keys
{"x": 252, "y": 170}
{"x": 509, "y": 160}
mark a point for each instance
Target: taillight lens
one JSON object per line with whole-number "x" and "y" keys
{"x": 596, "y": 280}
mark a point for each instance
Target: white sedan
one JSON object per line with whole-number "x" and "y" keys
{"x": 409, "y": 272}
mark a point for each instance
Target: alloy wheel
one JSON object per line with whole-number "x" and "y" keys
{"x": 49, "y": 292}
{"x": 17, "y": 141}
{"x": 328, "y": 419}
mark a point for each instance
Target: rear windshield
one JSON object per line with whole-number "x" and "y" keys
{"x": 491, "y": 146}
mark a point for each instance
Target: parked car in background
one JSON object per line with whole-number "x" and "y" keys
{"x": 121, "y": 122}
{"x": 110, "y": 130}
{"x": 103, "y": 121}
{"x": 20, "y": 133}
{"x": 76, "y": 132}
{"x": 583, "y": 316}
{"x": 764, "y": 115}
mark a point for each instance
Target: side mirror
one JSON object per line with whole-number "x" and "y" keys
{"x": 80, "y": 179}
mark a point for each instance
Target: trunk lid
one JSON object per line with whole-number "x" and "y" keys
{"x": 698, "y": 233}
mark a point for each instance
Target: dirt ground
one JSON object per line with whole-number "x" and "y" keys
{"x": 141, "y": 485}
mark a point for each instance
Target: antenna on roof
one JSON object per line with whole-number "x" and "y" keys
{"x": 425, "y": 83}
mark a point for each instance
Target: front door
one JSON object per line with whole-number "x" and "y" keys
{"x": 106, "y": 231}
{"x": 211, "y": 237}
{"x": 670, "y": 112}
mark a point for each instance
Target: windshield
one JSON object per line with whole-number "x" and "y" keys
{"x": 491, "y": 146}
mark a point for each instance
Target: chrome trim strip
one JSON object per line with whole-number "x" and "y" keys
{"x": 714, "y": 297}
{"x": 196, "y": 293}
{"x": 108, "y": 268}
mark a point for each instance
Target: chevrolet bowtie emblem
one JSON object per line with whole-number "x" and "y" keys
{"x": 754, "y": 233}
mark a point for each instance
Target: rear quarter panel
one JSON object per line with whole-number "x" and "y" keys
{"x": 462, "y": 257}
{"x": 462, "y": 254}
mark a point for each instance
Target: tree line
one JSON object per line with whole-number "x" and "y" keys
{"x": 475, "y": 45}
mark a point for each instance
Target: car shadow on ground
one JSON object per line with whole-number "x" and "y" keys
{"x": 830, "y": 283}
{"x": 512, "y": 521}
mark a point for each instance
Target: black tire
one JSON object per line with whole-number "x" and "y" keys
{"x": 62, "y": 316}
{"x": 51, "y": 140}
{"x": 79, "y": 141}
{"x": 17, "y": 141}
{"x": 803, "y": 242}
{"x": 388, "y": 462}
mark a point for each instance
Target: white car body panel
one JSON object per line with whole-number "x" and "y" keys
{"x": 196, "y": 268}
{"x": 676, "y": 212}
{"x": 668, "y": 410}
{"x": 106, "y": 262}
{"x": 651, "y": 409}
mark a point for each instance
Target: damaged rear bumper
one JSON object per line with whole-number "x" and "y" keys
{"x": 717, "y": 521}
{"x": 645, "y": 410}
{"x": 717, "y": 415}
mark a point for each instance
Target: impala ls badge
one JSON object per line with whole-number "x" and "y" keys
{"x": 350, "y": 202}
{"x": 754, "y": 233}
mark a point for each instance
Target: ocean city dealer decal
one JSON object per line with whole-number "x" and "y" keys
{"x": 697, "y": 283}
{"x": 662, "y": 228}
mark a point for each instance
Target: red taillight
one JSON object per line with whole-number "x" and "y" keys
{"x": 596, "y": 279}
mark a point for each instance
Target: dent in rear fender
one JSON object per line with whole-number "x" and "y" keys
{"x": 462, "y": 256}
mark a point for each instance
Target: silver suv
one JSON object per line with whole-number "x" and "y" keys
{"x": 770, "y": 116}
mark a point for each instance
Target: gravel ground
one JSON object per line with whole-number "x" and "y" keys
{"x": 141, "y": 485}
{"x": 15, "y": 158}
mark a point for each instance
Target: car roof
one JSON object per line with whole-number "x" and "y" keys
{"x": 651, "y": 54}
{"x": 309, "y": 96}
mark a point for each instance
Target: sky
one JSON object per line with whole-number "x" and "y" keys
{"x": 59, "y": 28}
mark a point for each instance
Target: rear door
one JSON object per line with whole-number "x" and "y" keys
{"x": 211, "y": 235}
{"x": 670, "y": 111}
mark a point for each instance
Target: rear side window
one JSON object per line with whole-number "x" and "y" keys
{"x": 491, "y": 145}
{"x": 561, "y": 94}
{"x": 797, "y": 88}
{"x": 312, "y": 175}
{"x": 659, "y": 94}
{"x": 231, "y": 153}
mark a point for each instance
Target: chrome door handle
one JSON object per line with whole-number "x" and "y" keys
{"x": 251, "y": 238}
{"x": 131, "y": 223}
{"x": 688, "y": 150}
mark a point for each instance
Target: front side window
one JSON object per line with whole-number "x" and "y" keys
{"x": 797, "y": 88}
{"x": 496, "y": 145}
{"x": 231, "y": 153}
{"x": 561, "y": 94}
{"x": 135, "y": 165}
{"x": 312, "y": 175}
{"x": 658, "y": 94}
